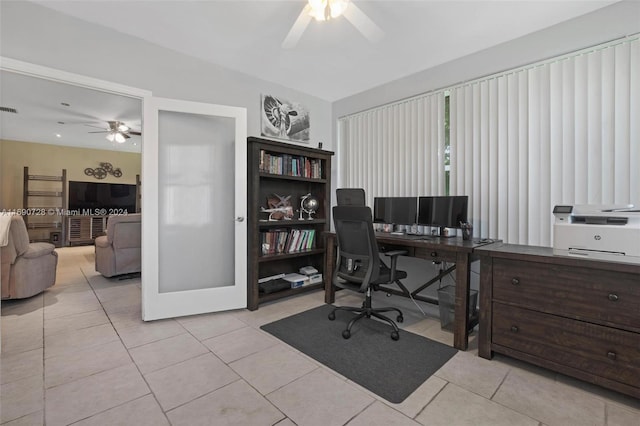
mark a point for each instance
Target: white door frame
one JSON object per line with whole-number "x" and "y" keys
{"x": 39, "y": 71}
{"x": 52, "y": 74}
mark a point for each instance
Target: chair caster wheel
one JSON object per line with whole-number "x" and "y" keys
{"x": 346, "y": 334}
{"x": 400, "y": 318}
{"x": 331, "y": 316}
{"x": 394, "y": 335}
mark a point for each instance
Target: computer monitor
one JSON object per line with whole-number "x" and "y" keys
{"x": 443, "y": 211}
{"x": 396, "y": 210}
{"x": 350, "y": 197}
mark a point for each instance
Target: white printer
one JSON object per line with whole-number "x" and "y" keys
{"x": 597, "y": 232}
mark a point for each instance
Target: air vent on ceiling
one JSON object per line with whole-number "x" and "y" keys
{"x": 7, "y": 109}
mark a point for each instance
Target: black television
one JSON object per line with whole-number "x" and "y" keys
{"x": 101, "y": 198}
{"x": 443, "y": 211}
{"x": 396, "y": 210}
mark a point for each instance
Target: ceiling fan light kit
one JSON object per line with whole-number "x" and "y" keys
{"x": 118, "y": 132}
{"x": 324, "y": 10}
{"x": 117, "y": 136}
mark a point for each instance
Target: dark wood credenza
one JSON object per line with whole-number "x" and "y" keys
{"x": 578, "y": 317}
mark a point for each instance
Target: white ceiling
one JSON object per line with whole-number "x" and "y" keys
{"x": 332, "y": 60}
{"x": 40, "y": 109}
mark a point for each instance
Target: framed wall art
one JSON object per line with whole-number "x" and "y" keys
{"x": 282, "y": 119}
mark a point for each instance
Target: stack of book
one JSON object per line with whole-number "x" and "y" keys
{"x": 290, "y": 165}
{"x": 273, "y": 283}
{"x": 278, "y": 241}
{"x": 296, "y": 280}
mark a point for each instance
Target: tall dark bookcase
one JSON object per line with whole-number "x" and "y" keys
{"x": 286, "y": 170}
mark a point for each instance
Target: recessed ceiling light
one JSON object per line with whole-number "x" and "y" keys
{"x": 58, "y": 135}
{"x": 64, "y": 104}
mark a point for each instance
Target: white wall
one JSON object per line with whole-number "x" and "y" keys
{"x": 35, "y": 34}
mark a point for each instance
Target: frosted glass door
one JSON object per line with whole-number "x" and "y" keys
{"x": 194, "y": 205}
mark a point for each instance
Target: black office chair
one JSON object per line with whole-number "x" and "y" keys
{"x": 350, "y": 197}
{"x": 358, "y": 264}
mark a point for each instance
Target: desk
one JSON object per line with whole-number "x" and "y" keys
{"x": 454, "y": 250}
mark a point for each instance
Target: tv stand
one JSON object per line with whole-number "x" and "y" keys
{"x": 83, "y": 229}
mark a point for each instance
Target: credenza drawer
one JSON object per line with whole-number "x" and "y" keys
{"x": 600, "y": 350}
{"x": 607, "y": 297}
{"x": 435, "y": 255}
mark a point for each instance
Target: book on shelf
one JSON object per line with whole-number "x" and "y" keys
{"x": 279, "y": 241}
{"x": 273, "y": 285}
{"x": 271, "y": 278}
{"x": 290, "y": 165}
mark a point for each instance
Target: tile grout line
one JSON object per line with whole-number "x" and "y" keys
{"x": 130, "y": 357}
{"x": 506, "y": 406}
{"x": 430, "y": 401}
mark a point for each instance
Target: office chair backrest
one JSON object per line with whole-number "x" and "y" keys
{"x": 358, "y": 260}
{"x": 350, "y": 197}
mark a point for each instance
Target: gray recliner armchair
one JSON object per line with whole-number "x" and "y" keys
{"x": 27, "y": 268}
{"x": 119, "y": 252}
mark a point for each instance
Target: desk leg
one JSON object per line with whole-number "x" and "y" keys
{"x": 329, "y": 266}
{"x": 463, "y": 283}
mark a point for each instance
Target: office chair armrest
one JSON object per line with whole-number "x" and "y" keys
{"x": 394, "y": 260}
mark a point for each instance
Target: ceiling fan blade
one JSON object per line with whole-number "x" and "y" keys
{"x": 134, "y": 133}
{"x": 363, "y": 23}
{"x": 298, "y": 28}
{"x": 97, "y": 127}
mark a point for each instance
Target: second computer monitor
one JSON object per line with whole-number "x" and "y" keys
{"x": 443, "y": 211}
{"x": 397, "y": 210}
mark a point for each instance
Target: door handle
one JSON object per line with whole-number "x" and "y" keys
{"x": 240, "y": 219}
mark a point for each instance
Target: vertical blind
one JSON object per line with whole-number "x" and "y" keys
{"x": 565, "y": 131}
{"x": 394, "y": 150}
{"x": 562, "y": 131}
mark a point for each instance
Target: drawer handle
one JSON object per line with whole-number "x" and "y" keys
{"x": 611, "y": 355}
{"x": 515, "y": 281}
{"x": 514, "y": 328}
{"x": 613, "y": 297}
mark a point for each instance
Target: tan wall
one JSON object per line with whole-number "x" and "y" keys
{"x": 43, "y": 159}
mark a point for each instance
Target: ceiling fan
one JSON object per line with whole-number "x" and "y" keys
{"x": 118, "y": 132}
{"x": 324, "y": 10}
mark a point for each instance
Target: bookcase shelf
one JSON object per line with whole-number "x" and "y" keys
{"x": 296, "y": 178}
{"x": 280, "y": 256}
{"x": 289, "y": 171}
{"x": 44, "y": 198}
{"x": 289, "y": 292}
{"x": 289, "y": 223}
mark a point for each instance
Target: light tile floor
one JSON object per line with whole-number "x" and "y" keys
{"x": 80, "y": 354}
